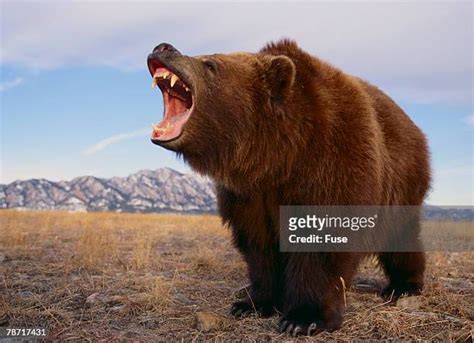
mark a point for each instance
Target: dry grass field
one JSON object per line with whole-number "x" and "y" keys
{"x": 152, "y": 277}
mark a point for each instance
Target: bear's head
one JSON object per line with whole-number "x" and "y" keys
{"x": 222, "y": 109}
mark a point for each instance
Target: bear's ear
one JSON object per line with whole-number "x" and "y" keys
{"x": 280, "y": 75}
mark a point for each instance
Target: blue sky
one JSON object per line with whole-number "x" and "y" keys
{"x": 76, "y": 97}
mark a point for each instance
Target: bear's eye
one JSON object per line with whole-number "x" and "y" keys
{"x": 211, "y": 65}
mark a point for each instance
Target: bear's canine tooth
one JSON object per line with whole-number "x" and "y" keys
{"x": 153, "y": 83}
{"x": 174, "y": 78}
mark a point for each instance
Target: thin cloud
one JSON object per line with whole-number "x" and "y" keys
{"x": 101, "y": 145}
{"x": 10, "y": 84}
{"x": 426, "y": 54}
{"x": 469, "y": 120}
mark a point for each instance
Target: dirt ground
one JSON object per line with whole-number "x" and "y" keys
{"x": 152, "y": 277}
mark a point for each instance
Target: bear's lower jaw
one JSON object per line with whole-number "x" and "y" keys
{"x": 175, "y": 117}
{"x": 170, "y": 128}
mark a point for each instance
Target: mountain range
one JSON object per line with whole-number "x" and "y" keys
{"x": 161, "y": 190}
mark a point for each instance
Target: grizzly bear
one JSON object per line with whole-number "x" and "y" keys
{"x": 282, "y": 127}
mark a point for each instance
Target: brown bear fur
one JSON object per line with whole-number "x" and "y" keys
{"x": 281, "y": 127}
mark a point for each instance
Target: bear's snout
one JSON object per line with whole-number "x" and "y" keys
{"x": 165, "y": 47}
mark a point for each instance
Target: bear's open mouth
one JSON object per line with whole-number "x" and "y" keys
{"x": 177, "y": 103}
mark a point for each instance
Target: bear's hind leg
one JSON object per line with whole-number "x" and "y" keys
{"x": 404, "y": 271}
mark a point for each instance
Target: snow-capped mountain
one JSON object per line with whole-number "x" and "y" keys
{"x": 162, "y": 190}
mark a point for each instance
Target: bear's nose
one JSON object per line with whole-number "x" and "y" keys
{"x": 165, "y": 47}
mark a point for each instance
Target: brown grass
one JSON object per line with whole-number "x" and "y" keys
{"x": 103, "y": 276}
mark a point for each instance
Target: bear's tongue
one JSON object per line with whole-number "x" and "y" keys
{"x": 175, "y": 116}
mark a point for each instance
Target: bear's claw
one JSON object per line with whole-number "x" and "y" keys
{"x": 312, "y": 329}
{"x": 294, "y": 329}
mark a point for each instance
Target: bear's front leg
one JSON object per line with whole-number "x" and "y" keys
{"x": 256, "y": 238}
{"x": 265, "y": 294}
{"x": 314, "y": 291}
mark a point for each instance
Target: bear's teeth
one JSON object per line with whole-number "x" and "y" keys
{"x": 156, "y": 128}
{"x": 153, "y": 83}
{"x": 174, "y": 78}
{"x": 162, "y": 74}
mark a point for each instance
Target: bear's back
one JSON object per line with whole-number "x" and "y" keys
{"x": 406, "y": 147}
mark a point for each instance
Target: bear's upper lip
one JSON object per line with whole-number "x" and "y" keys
{"x": 178, "y": 101}
{"x": 156, "y": 60}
